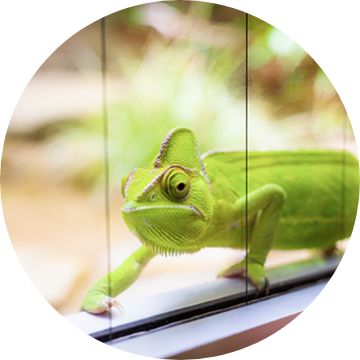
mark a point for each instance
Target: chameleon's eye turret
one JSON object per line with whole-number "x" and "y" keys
{"x": 175, "y": 184}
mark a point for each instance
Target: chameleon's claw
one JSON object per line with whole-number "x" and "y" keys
{"x": 108, "y": 303}
{"x": 267, "y": 286}
{"x": 100, "y": 304}
{"x": 264, "y": 289}
{"x": 332, "y": 252}
{"x": 115, "y": 304}
{"x": 255, "y": 274}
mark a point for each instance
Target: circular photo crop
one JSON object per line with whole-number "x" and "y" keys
{"x": 180, "y": 179}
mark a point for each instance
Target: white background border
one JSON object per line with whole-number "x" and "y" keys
{"x": 30, "y": 30}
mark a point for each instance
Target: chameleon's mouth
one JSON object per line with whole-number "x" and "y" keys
{"x": 129, "y": 208}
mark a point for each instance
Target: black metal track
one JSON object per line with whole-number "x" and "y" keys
{"x": 308, "y": 273}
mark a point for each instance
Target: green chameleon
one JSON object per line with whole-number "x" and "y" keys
{"x": 184, "y": 202}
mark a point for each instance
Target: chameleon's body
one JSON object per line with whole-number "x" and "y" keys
{"x": 184, "y": 202}
{"x": 321, "y": 196}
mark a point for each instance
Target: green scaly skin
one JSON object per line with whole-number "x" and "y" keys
{"x": 184, "y": 202}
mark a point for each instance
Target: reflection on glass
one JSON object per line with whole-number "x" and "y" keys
{"x": 170, "y": 64}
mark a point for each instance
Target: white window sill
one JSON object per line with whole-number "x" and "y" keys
{"x": 209, "y": 319}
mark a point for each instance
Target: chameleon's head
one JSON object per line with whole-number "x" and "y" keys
{"x": 169, "y": 205}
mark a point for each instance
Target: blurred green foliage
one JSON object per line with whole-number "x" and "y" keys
{"x": 182, "y": 64}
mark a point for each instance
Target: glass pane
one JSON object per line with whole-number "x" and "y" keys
{"x": 175, "y": 107}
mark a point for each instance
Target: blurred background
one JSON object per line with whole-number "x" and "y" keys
{"x": 176, "y": 63}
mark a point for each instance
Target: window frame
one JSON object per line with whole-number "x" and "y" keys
{"x": 148, "y": 324}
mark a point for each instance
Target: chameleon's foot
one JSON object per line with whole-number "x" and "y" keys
{"x": 332, "y": 252}
{"x": 255, "y": 274}
{"x": 98, "y": 304}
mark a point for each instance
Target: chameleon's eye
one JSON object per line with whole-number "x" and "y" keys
{"x": 175, "y": 184}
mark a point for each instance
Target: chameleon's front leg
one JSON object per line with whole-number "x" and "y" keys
{"x": 100, "y": 296}
{"x": 264, "y": 207}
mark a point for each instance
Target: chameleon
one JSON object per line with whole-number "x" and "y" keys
{"x": 262, "y": 200}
